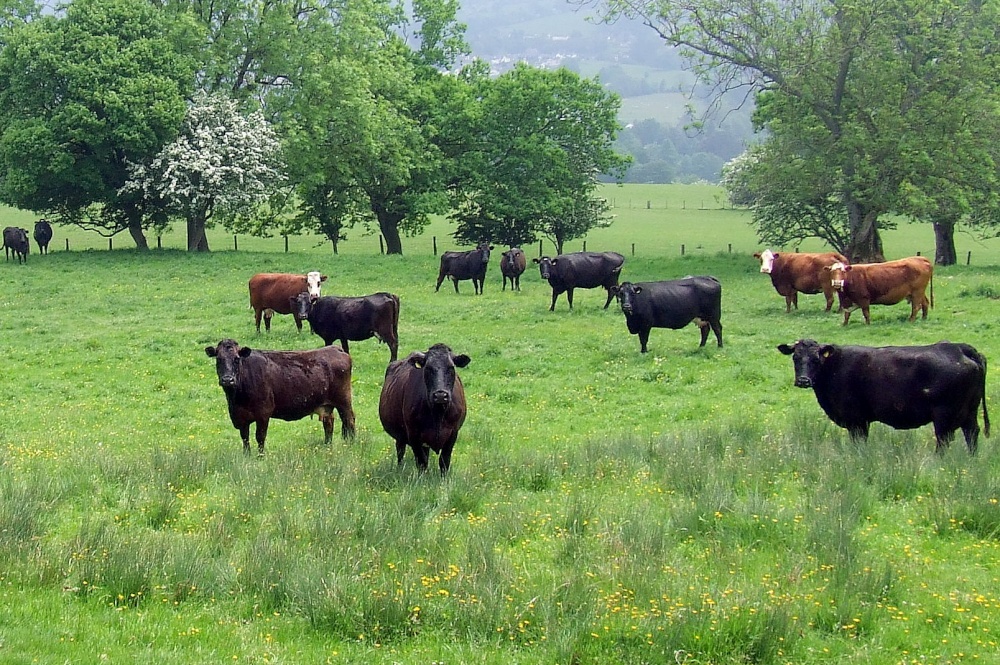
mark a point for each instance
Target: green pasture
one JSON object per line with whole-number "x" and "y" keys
{"x": 683, "y": 506}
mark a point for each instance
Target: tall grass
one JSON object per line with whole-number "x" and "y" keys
{"x": 687, "y": 505}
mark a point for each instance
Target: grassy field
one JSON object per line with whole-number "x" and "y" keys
{"x": 685, "y": 506}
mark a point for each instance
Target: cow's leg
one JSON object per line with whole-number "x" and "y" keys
{"x": 865, "y": 311}
{"x": 516, "y": 283}
{"x": 256, "y": 316}
{"x": 346, "y": 412}
{"x": 569, "y": 297}
{"x": 847, "y": 315}
{"x": 858, "y": 431}
{"x": 444, "y": 459}
{"x": 261, "y": 435}
{"x": 421, "y": 453}
{"x": 245, "y": 435}
{"x": 298, "y": 323}
{"x": 943, "y": 436}
{"x": 400, "y": 451}
{"x": 505, "y": 284}
{"x": 326, "y": 417}
{"x": 441, "y": 276}
{"x": 829, "y": 300}
{"x": 555, "y": 294}
{"x": 344, "y": 345}
{"x": 703, "y": 328}
{"x": 717, "y": 329}
{"x": 610, "y": 298}
{"x": 788, "y": 304}
{"x": 971, "y": 432}
{"x": 267, "y": 319}
{"x": 393, "y": 343}
{"x": 455, "y": 279}
{"x": 643, "y": 340}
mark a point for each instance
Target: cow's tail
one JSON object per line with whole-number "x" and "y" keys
{"x": 986, "y": 416}
{"x": 395, "y": 311}
{"x": 932, "y": 289}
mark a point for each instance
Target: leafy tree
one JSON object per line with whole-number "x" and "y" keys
{"x": 223, "y": 164}
{"x": 81, "y": 95}
{"x": 847, "y": 87}
{"x": 545, "y": 137}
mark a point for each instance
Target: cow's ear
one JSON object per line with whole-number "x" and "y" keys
{"x": 848, "y": 268}
{"x": 211, "y": 352}
{"x": 461, "y": 360}
{"x": 491, "y": 246}
{"x": 756, "y": 255}
{"x": 828, "y": 268}
{"x": 416, "y": 359}
{"x": 535, "y": 261}
{"x": 786, "y": 349}
{"x": 245, "y": 351}
{"x": 614, "y": 290}
{"x": 637, "y": 289}
{"x": 826, "y": 351}
{"x": 775, "y": 255}
{"x": 322, "y": 278}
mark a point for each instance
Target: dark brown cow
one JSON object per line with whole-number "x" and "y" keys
{"x": 352, "y": 319}
{"x": 273, "y": 292}
{"x": 288, "y": 385}
{"x": 15, "y": 239}
{"x": 793, "y": 273}
{"x": 466, "y": 265}
{"x": 423, "y": 404}
{"x": 512, "y": 265}
{"x": 865, "y": 284}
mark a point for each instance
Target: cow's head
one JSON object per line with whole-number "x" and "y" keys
{"x": 626, "y": 293}
{"x": 484, "y": 249}
{"x": 438, "y": 365}
{"x": 838, "y": 274}
{"x": 507, "y": 258}
{"x": 313, "y": 281}
{"x": 808, "y": 357}
{"x": 766, "y": 258}
{"x": 228, "y": 355}
{"x": 301, "y": 305}
{"x": 545, "y": 266}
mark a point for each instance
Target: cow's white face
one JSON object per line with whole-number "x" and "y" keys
{"x": 838, "y": 273}
{"x": 313, "y": 281}
{"x": 767, "y": 261}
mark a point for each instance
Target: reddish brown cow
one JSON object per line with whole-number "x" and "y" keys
{"x": 289, "y": 385}
{"x": 865, "y": 284}
{"x": 793, "y": 273}
{"x": 272, "y": 292}
{"x": 423, "y": 404}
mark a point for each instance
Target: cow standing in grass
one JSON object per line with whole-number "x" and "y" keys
{"x": 466, "y": 265}
{"x": 289, "y": 385}
{"x": 15, "y": 240}
{"x": 352, "y": 319}
{"x": 672, "y": 304}
{"x": 865, "y": 284}
{"x": 581, "y": 270}
{"x": 422, "y": 404}
{"x": 43, "y": 235}
{"x": 512, "y": 265}
{"x": 793, "y": 273}
{"x": 274, "y": 292}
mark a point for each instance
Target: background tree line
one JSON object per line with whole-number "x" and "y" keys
{"x": 291, "y": 116}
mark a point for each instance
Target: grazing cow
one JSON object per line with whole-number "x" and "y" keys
{"x": 793, "y": 273}
{"x": 512, "y": 264}
{"x": 273, "y": 292}
{"x": 466, "y": 265}
{"x": 902, "y": 386}
{"x": 580, "y": 270}
{"x": 423, "y": 404}
{"x": 355, "y": 319}
{"x": 289, "y": 385}
{"x": 672, "y": 304}
{"x": 865, "y": 284}
{"x": 43, "y": 235}
{"x": 16, "y": 240}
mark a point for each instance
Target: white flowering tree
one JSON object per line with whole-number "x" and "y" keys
{"x": 222, "y": 166}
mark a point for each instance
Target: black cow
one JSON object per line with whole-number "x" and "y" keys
{"x": 512, "y": 264}
{"x": 466, "y": 265}
{"x": 672, "y": 304}
{"x": 289, "y": 385}
{"x": 16, "y": 240}
{"x": 581, "y": 270}
{"x": 43, "y": 235}
{"x": 334, "y": 318}
{"x": 902, "y": 386}
{"x": 422, "y": 404}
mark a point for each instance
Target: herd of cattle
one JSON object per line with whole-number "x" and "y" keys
{"x": 422, "y": 403}
{"x": 15, "y": 239}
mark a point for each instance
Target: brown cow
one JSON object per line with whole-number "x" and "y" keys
{"x": 272, "y": 292}
{"x": 289, "y": 385}
{"x": 512, "y": 265}
{"x": 793, "y": 273}
{"x": 423, "y": 404}
{"x": 865, "y": 284}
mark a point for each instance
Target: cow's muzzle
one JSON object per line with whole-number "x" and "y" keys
{"x": 766, "y": 271}
{"x": 440, "y": 398}
{"x": 227, "y": 380}
{"x": 837, "y": 284}
{"x": 803, "y": 382}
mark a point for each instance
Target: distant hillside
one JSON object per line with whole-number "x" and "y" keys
{"x": 629, "y": 59}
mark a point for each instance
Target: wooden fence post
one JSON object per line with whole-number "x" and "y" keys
{"x": 435, "y": 239}
{"x": 286, "y": 244}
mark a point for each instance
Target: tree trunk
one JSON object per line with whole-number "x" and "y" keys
{"x": 388, "y": 223}
{"x": 865, "y": 245}
{"x": 197, "y": 240}
{"x": 138, "y": 235}
{"x": 945, "y": 253}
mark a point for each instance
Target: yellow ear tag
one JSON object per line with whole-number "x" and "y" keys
{"x": 827, "y": 353}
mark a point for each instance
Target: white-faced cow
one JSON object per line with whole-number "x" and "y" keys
{"x": 865, "y": 284}
{"x": 423, "y": 404}
{"x": 15, "y": 240}
{"x": 793, "y": 273}
{"x": 466, "y": 265}
{"x": 672, "y": 304}
{"x": 512, "y": 265}
{"x": 272, "y": 293}
{"x": 902, "y": 386}
{"x": 352, "y": 319}
{"x": 43, "y": 235}
{"x": 289, "y": 385}
{"x": 580, "y": 270}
